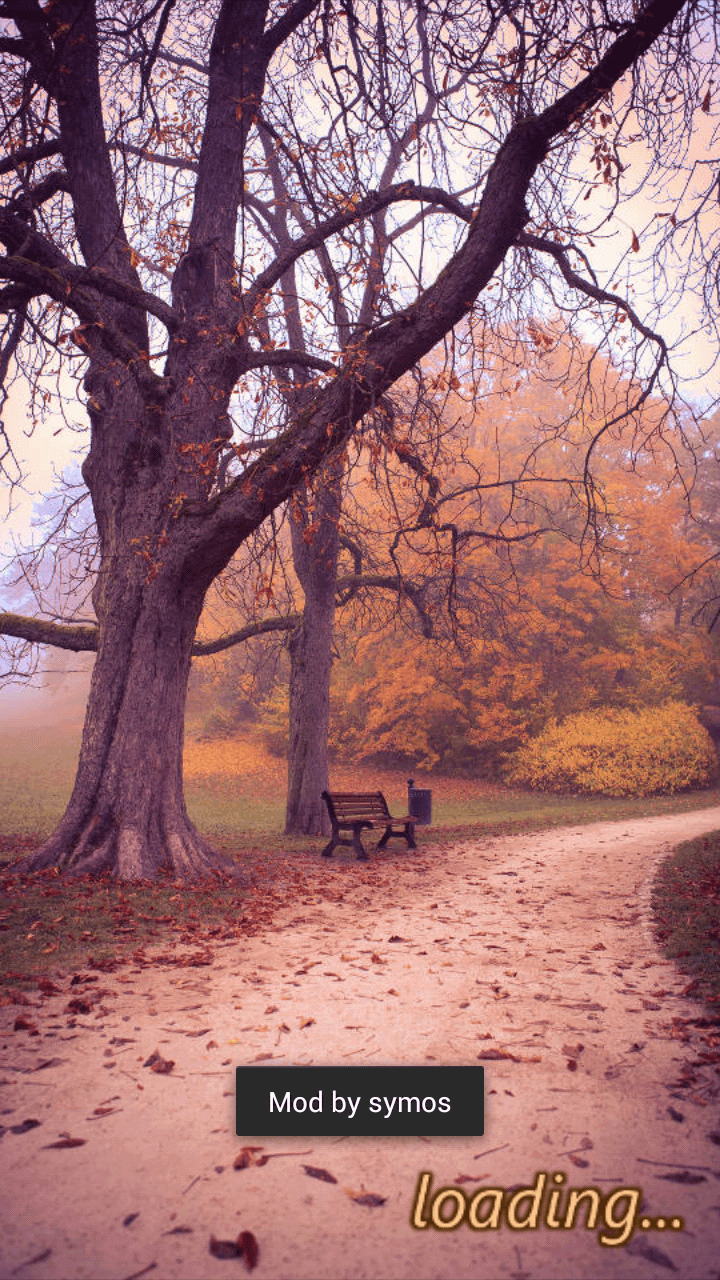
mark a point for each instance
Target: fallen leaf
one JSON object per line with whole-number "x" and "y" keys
{"x": 128, "y": 1221}
{"x": 22, "y": 1024}
{"x": 224, "y": 1248}
{"x": 579, "y": 1162}
{"x": 161, "y": 1066}
{"x": 641, "y": 1249}
{"x": 179, "y": 1231}
{"x": 368, "y": 1198}
{"x": 65, "y": 1143}
{"x": 39, "y": 1257}
{"x": 675, "y": 1115}
{"x": 306, "y": 1022}
{"x": 250, "y": 1249}
{"x": 25, "y": 1127}
{"x": 685, "y": 1176}
{"x": 497, "y": 1055}
{"x": 321, "y": 1174}
{"x": 137, "y": 1274}
{"x": 78, "y": 1005}
{"x": 246, "y": 1158}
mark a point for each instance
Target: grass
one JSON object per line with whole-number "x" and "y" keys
{"x": 235, "y": 794}
{"x": 686, "y": 906}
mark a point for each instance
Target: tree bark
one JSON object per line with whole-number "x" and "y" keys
{"x": 127, "y": 811}
{"x": 315, "y": 538}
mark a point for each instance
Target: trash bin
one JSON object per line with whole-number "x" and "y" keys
{"x": 420, "y": 804}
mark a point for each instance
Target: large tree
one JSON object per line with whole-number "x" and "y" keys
{"x": 136, "y": 133}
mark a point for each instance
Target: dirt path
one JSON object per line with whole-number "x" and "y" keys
{"x": 533, "y": 951}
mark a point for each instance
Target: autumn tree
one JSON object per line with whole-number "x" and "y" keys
{"x": 137, "y": 180}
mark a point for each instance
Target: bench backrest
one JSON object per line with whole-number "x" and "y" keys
{"x": 346, "y": 805}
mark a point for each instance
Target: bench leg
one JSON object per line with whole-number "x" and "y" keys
{"x": 386, "y": 836}
{"x": 410, "y": 835}
{"x": 327, "y": 851}
{"x": 360, "y": 853}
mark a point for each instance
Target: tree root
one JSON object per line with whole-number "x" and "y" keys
{"x": 131, "y": 855}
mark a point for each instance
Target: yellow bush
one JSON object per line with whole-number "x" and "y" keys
{"x": 619, "y": 753}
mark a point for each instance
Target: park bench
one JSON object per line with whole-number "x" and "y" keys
{"x": 356, "y": 810}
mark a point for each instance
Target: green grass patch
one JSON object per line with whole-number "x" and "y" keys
{"x": 686, "y": 908}
{"x": 504, "y": 811}
{"x": 235, "y": 793}
{"x": 51, "y": 924}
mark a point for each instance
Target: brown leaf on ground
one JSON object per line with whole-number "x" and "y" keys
{"x": 31, "y": 1262}
{"x": 684, "y": 1176}
{"x": 47, "y": 987}
{"x": 78, "y": 1005}
{"x": 25, "y": 1126}
{"x": 573, "y": 1050}
{"x": 161, "y": 1066}
{"x": 250, "y": 1249}
{"x": 321, "y": 1174}
{"x": 640, "y": 1248}
{"x": 246, "y": 1158}
{"x": 368, "y": 1198}
{"x": 64, "y": 1144}
{"x": 22, "y": 1024}
{"x": 224, "y": 1248}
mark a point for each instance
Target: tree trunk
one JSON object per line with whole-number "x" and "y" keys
{"x": 127, "y": 812}
{"x": 315, "y": 537}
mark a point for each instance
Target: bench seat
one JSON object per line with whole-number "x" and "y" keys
{"x": 356, "y": 811}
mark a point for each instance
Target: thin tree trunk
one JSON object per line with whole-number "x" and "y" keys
{"x": 315, "y": 537}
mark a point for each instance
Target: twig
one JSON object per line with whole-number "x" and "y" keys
{"x": 491, "y": 1151}
{"x": 676, "y": 1164}
{"x": 39, "y": 1257}
{"x": 136, "y": 1274}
